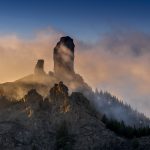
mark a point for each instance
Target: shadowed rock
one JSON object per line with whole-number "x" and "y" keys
{"x": 64, "y": 57}
{"x": 59, "y": 91}
{"x": 39, "y": 68}
{"x": 34, "y": 99}
{"x": 59, "y": 119}
{"x": 59, "y": 96}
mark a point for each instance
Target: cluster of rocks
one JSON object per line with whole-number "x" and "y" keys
{"x": 63, "y": 56}
{"x": 60, "y": 90}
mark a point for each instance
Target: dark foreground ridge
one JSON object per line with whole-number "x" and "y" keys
{"x": 59, "y": 121}
{"x": 40, "y": 112}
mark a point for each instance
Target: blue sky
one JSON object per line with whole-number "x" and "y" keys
{"x": 84, "y": 19}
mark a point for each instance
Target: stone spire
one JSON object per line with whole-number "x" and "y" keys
{"x": 64, "y": 57}
{"x": 39, "y": 68}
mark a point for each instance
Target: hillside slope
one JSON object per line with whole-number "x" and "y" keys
{"x": 37, "y": 123}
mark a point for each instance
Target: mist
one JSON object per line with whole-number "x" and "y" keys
{"x": 118, "y": 62}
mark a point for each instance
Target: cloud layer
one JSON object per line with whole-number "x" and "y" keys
{"x": 118, "y": 62}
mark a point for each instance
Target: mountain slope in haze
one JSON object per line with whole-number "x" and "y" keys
{"x": 63, "y": 56}
{"x": 59, "y": 121}
{"x": 116, "y": 109}
{"x": 42, "y": 124}
{"x": 38, "y": 113}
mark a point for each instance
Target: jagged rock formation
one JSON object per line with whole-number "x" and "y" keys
{"x": 58, "y": 122}
{"x": 38, "y": 119}
{"x": 59, "y": 97}
{"x": 24, "y": 125}
{"x": 64, "y": 58}
{"x": 39, "y": 68}
{"x": 63, "y": 71}
{"x": 69, "y": 122}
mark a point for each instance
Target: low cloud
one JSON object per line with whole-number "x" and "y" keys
{"x": 118, "y": 62}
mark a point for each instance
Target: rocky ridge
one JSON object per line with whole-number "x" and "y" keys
{"x": 40, "y": 112}
{"x": 35, "y": 122}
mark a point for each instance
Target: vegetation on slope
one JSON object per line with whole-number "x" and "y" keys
{"x": 121, "y": 129}
{"x": 116, "y": 109}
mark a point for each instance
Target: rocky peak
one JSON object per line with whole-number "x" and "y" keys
{"x": 59, "y": 90}
{"x": 64, "y": 57}
{"x": 39, "y": 68}
{"x": 59, "y": 96}
{"x": 68, "y": 42}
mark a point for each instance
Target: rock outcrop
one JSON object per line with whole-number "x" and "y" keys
{"x": 64, "y": 58}
{"x": 59, "y": 97}
{"x": 63, "y": 55}
{"x": 39, "y": 68}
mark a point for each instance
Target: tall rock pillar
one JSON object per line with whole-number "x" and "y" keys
{"x": 64, "y": 58}
{"x": 39, "y": 68}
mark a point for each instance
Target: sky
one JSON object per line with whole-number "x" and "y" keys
{"x": 85, "y": 19}
{"x": 112, "y": 39}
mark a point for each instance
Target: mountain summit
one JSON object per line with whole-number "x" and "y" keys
{"x": 64, "y": 57}
{"x": 60, "y": 111}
